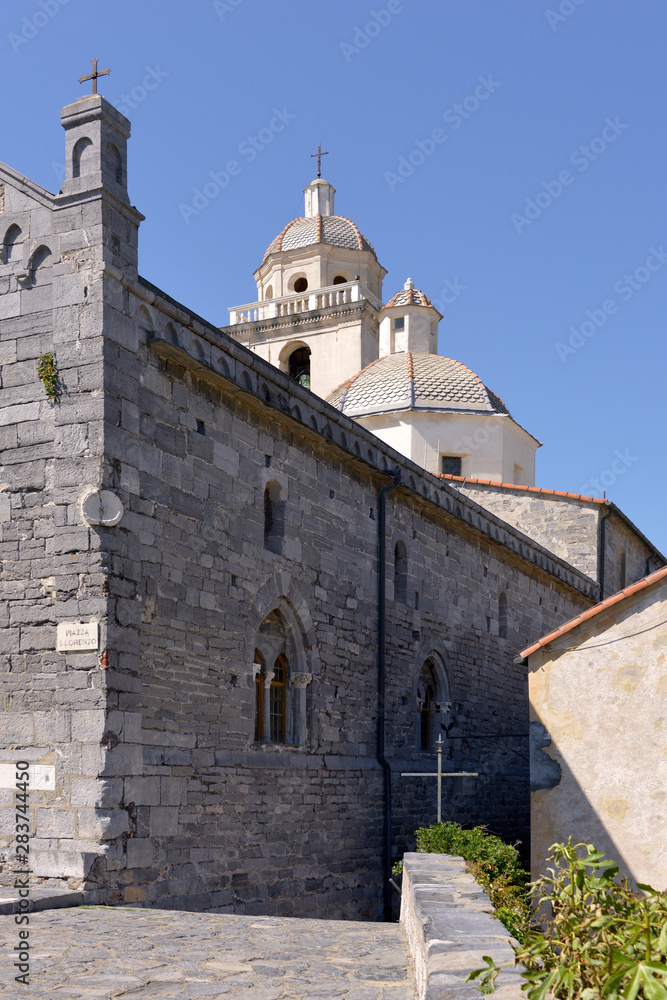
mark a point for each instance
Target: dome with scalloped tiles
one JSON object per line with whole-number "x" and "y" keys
{"x": 408, "y": 295}
{"x": 311, "y": 229}
{"x": 411, "y": 381}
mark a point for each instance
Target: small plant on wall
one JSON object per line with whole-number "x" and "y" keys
{"x": 47, "y": 371}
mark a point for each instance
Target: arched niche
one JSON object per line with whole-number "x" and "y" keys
{"x": 82, "y": 157}
{"x": 12, "y": 239}
{"x": 115, "y": 163}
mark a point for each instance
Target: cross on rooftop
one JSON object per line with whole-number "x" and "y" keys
{"x": 94, "y": 75}
{"x": 319, "y": 154}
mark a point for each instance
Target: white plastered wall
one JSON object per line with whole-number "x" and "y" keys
{"x": 489, "y": 445}
{"x": 603, "y": 705}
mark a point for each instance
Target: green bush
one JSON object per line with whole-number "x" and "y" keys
{"x": 494, "y": 864}
{"x": 601, "y": 939}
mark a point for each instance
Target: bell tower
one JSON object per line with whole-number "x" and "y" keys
{"x": 96, "y": 137}
{"x": 319, "y": 294}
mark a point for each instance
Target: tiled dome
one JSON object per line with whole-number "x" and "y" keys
{"x": 333, "y": 229}
{"x": 410, "y": 381}
{"x": 409, "y": 296}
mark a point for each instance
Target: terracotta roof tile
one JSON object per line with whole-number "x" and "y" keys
{"x": 526, "y": 489}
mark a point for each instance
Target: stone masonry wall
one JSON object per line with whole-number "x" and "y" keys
{"x": 195, "y": 427}
{"x": 570, "y": 528}
{"x": 161, "y": 795}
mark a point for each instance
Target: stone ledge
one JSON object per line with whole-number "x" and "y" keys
{"x": 448, "y": 922}
{"x": 42, "y": 899}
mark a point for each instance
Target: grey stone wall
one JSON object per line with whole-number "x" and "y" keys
{"x": 215, "y": 819}
{"x": 162, "y": 796}
{"x": 448, "y": 919}
{"x": 569, "y": 527}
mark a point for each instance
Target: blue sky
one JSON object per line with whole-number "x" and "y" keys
{"x": 530, "y": 139}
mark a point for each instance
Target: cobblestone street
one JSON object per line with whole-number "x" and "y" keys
{"x": 108, "y": 952}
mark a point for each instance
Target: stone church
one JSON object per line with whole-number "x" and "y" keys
{"x": 251, "y": 573}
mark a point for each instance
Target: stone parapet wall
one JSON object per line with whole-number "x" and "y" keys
{"x": 448, "y": 920}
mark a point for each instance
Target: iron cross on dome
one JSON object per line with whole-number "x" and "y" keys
{"x": 94, "y": 75}
{"x": 319, "y": 154}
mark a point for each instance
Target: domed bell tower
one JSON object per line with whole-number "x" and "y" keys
{"x": 319, "y": 294}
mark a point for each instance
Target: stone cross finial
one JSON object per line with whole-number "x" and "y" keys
{"x": 94, "y": 75}
{"x": 319, "y": 154}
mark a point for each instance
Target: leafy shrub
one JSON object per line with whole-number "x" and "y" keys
{"x": 47, "y": 372}
{"x": 494, "y": 864}
{"x": 602, "y": 940}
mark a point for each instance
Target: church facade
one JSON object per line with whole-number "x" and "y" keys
{"x": 234, "y": 614}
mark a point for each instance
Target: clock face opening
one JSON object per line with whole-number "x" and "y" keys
{"x": 102, "y": 507}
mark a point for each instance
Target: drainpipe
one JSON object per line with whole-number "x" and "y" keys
{"x": 601, "y": 552}
{"x": 382, "y": 561}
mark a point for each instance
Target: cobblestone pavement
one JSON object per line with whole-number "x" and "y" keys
{"x": 99, "y": 953}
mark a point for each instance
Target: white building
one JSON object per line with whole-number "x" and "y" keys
{"x": 320, "y": 316}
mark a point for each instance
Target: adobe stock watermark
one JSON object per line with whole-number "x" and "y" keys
{"x": 248, "y": 150}
{"x": 23, "y": 872}
{"x": 223, "y": 7}
{"x": 364, "y": 35}
{"x": 454, "y": 116}
{"x": 30, "y": 26}
{"x": 565, "y": 9}
{"x": 151, "y": 81}
{"x": 625, "y": 288}
{"x": 581, "y": 158}
{"x": 622, "y": 461}
{"x": 452, "y": 289}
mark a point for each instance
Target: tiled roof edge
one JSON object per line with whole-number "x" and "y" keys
{"x": 526, "y": 489}
{"x": 635, "y": 588}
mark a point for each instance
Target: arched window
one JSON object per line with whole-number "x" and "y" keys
{"x": 301, "y": 285}
{"x": 433, "y": 702}
{"x": 268, "y": 294}
{"x": 298, "y": 366}
{"x": 280, "y": 694}
{"x": 340, "y": 279}
{"x": 400, "y": 572}
{"x": 81, "y": 157}
{"x": 502, "y": 616}
{"x": 274, "y": 517}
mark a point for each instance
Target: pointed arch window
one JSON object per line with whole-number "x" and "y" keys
{"x": 433, "y": 703}
{"x": 280, "y": 693}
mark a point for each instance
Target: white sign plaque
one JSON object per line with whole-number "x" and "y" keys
{"x": 42, "y": 777}
{"x": 76, "y": 637}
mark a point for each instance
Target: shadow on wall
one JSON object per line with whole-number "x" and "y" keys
{"x": 621, "y": 823}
